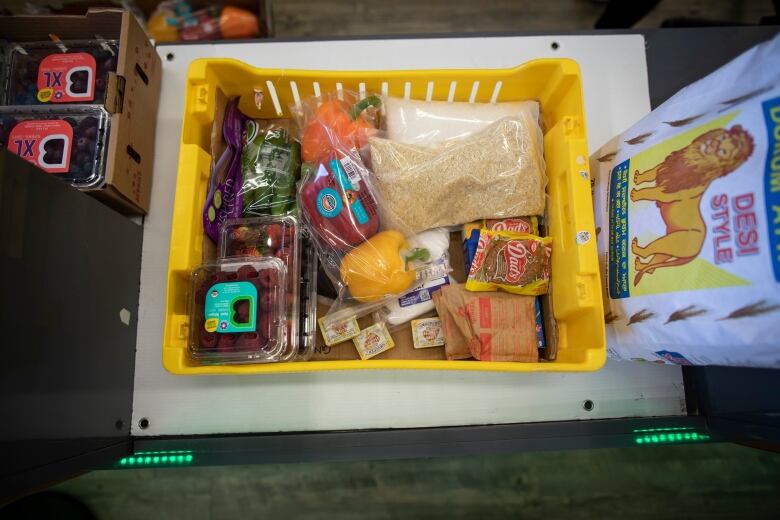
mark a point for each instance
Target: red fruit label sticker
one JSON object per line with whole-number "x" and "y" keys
{"x": 46, "y": 144}
{"x": 65, "y": 78}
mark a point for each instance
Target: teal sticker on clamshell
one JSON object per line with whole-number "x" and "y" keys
{"x": 231, "y": 307}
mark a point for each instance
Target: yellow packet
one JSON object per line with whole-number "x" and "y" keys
{"x": 334, "y": 332}
{"x": 373, "y": 341}
{"x": 427, "y": 332}
{"x": 517, "y": 263}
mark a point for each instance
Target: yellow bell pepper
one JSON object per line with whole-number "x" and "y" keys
{"x": 377, "y": 267}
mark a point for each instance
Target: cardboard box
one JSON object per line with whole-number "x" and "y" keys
{"x": 132, "y": 98}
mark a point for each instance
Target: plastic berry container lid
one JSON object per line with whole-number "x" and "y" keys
{"x": 237, "y": 311}
{"x": 308, "y": 297}
{"x": 62, "y": 72}
{"x": 272, "y": 236}
{"x": 68, "y": 141}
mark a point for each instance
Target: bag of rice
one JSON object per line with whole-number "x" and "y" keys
{"x": 688, "y": 222}
{"x": 495, "y": 173}
{"x": 426, "y": 122}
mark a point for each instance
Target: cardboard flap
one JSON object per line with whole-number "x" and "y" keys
{"x": 131, "y": 145}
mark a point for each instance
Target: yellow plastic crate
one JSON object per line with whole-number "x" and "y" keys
{"x": 556, "y": 83}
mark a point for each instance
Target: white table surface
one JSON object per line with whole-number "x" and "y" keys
{"x": 616, "y": 95}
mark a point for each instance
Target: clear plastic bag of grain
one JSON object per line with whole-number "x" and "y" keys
{"x": 420, "y": 122}
{"x": 497, "y": 172}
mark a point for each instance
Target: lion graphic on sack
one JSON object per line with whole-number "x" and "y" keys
{"x": 680, "y": 182}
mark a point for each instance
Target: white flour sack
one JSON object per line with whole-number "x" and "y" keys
{"x": 688, "y": 222}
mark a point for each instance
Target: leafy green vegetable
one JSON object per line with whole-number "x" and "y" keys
{"x": 271, "y": 164}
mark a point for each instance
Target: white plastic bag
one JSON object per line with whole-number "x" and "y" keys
{"x": 427, "y": 122}
{"x": 688, "y": 220}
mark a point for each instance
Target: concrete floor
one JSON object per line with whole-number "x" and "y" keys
{"x": 300, "y": 18}
{"x": 701, "y": 481}
{"x": 704, "y": 481}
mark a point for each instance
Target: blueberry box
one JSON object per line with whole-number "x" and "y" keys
{"x": 62, "y": 72}
{"x": 68, "y": 141}
{"x": 58, "y": 61}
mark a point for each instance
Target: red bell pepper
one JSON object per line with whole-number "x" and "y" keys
{"x": 339, "y": 208}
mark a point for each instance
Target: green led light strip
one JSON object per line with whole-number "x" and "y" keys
{"x": 671, "y": 438}
{"x": 157, "y": 458}
{"x": 179, "y": 452}
{"x": 674, "y": 429}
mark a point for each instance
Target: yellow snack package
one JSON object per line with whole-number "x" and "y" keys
{"x": 517, "y": 263}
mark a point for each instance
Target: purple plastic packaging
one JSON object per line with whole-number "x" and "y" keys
{"x": 223, "y": 200}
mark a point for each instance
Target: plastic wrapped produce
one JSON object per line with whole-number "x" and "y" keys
{"x": 175, "y": 20}
{"x": 418, "y": 300}
{"x": 340, "y": 207}
{"x": 222, "y": 199}
{"x": 270, "y": 166}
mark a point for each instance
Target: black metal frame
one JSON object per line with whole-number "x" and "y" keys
{"x": 414, "y": 442}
